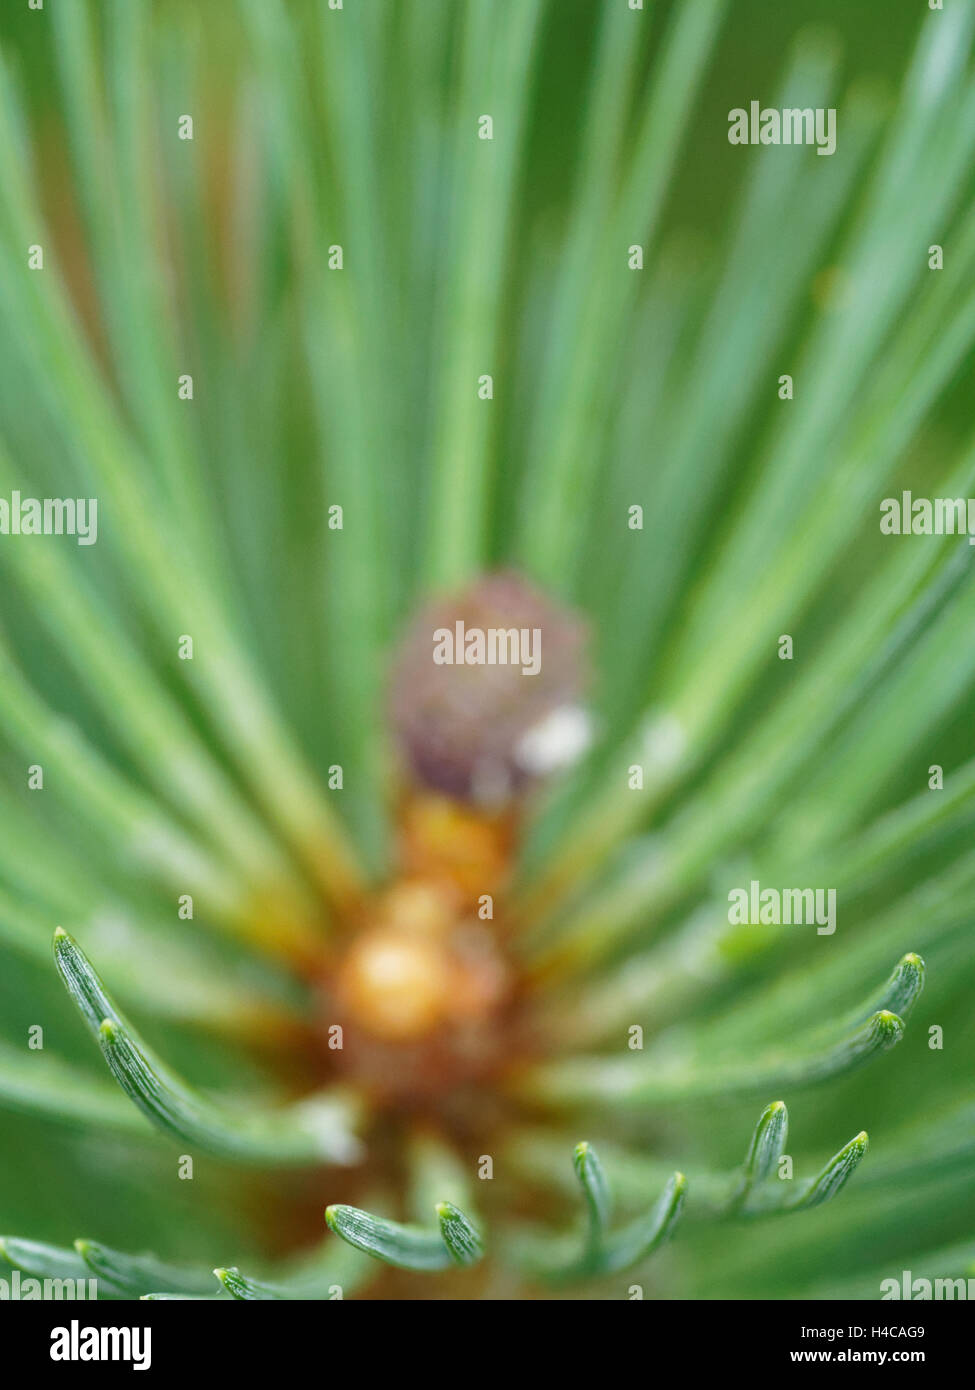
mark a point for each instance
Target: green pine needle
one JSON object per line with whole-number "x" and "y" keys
{"x": 304, "y": 1134}
{"x": 409, "y": 1247}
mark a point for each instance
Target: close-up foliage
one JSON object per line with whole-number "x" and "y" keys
{"x": 343, "y": 955}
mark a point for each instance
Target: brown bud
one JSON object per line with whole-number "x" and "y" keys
{"x": 486, "y": 690}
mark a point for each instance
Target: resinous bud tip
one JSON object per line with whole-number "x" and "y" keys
{"x": 487, "y": 689}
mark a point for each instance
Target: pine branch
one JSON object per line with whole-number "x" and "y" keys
{"x": 606, "y": 1252}
{"x": 313, "y": 1131}
{"x": 617, "y": 1082}
{"x": 131, "y": 1275}
{"x": 409, "y": 1247}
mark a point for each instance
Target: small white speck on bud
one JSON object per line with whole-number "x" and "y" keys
{"x": 486, "y": 690}
{"x": 556, "y": 742}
